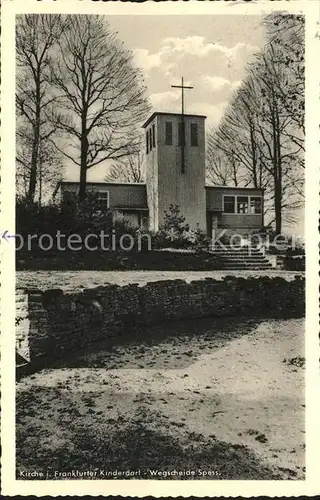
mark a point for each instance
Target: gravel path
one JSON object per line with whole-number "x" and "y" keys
{"x": 75, "y": 280}
{"x": 215, "y": 395}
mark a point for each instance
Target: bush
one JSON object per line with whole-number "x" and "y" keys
{"x": 200, "y": 241}
{"x": 176, "y": 233}
{"x": 85, "y": 217}
{"x": 31, "y": 218}
{"x": 120, "y": 261}
{"x": 73, "y": 217}
{"x": 173, "y": 232}
{"x": 294, "y": 263}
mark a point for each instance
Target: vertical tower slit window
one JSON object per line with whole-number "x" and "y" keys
{"x": 194, "y": 134}
{"x": 168, "y": 132}
{"x": 153, "y": 135}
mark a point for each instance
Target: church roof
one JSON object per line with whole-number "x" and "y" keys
{"x": 239, "y": 188}
{"x": 169, "y": 114}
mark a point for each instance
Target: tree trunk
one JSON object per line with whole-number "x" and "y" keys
{"x": 278, "y": 205}
{"x": 40, "y": 183}
{"x": 83, "y": 163}
{"x": 253, "y": 157}
{"x": 35, "y": 145}
{"x": 278, "y": 172}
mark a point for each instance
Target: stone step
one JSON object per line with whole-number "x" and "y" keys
{"x": 248, "y": 266}
{"x": 235, "y": 250}
{"x": 241, "y": 268}
{"x": 247, "y": 261}
{"x": 240, "y": 255}
{"x": 218, "y": 245}
{"x": 247, "y": 251}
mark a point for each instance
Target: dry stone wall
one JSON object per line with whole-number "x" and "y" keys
{"x": 22, "y": 325}
{"x": 59, "y": 323}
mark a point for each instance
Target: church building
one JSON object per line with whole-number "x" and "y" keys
{"x": 175, "y": 174}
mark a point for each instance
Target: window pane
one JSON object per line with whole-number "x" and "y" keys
{"x": 229, "y": 204}
{"x": 255, "y": 205}
{"x": 154, "y": 135}
{"x": 150, "y": 139}
{"x": 181, "y": 134}
{"x": 242, "y": 205}
{"x": 169, "y": 133}
{"x": 103, "y": 200}
{"x": 194, "y": 134}
{"x": 147, "y": 141}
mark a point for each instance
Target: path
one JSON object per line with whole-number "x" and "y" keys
{"x": 212, "y": 385}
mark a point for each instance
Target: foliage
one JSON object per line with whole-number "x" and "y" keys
{"x": 294, "y": 263}
{"x": 174, "y": 231}
{"x": 200, "y": 241}
{"x": 73, "y": 217}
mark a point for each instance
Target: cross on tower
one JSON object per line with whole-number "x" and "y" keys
{"x": 182, "y": 87}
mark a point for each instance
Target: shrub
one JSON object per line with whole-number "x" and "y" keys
{"x": 174, "y": 231}
{"x": 85, "y": 217}
{"x": 294, "y": 263}
{"x": 201, "y": 242}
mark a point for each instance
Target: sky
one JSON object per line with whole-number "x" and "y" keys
{"x": 210, "y": 52}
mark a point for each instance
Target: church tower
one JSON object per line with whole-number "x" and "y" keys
{"x": 175, "y": 167}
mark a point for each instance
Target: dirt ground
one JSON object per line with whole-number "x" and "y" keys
{"x": 223, "y": 398}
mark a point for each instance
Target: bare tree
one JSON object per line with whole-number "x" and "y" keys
{"x": 129, "y": 169}
{"x": 104, "y": 98}
{"x": 36, "y": 37}
{"x": 263, "y": 128}
{"x": 49, "y": 166}
{"x": 223, "y": 165}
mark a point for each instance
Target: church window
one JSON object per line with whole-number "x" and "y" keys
{"x": 194, "y": 134}
{"x": 147, "y": 141}
{"x": 103, "y": 200}
{"x": 150, "y": 139}
{"x": 255, "y": 205}
{"x": 181, "y": 133}
{"x": 168, "y": 133}
{"x": 153, "y": 135}
{"x": 242, "y": 204}
{"x": 229, "y": 204}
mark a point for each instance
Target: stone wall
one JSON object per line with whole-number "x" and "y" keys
{"x": 60, "y": 323}
{"x": 22, "y": 325}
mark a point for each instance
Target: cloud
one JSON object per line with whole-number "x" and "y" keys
{"x": 164, "y": 101}
{"x": 196, "y": 45}
{"x": 216, "y": 82}
{"x": 146, "y": 61}
{"x": 221, "y": 87}
{"x": 213, "y": 112}
{"x": 213, "y": 69}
